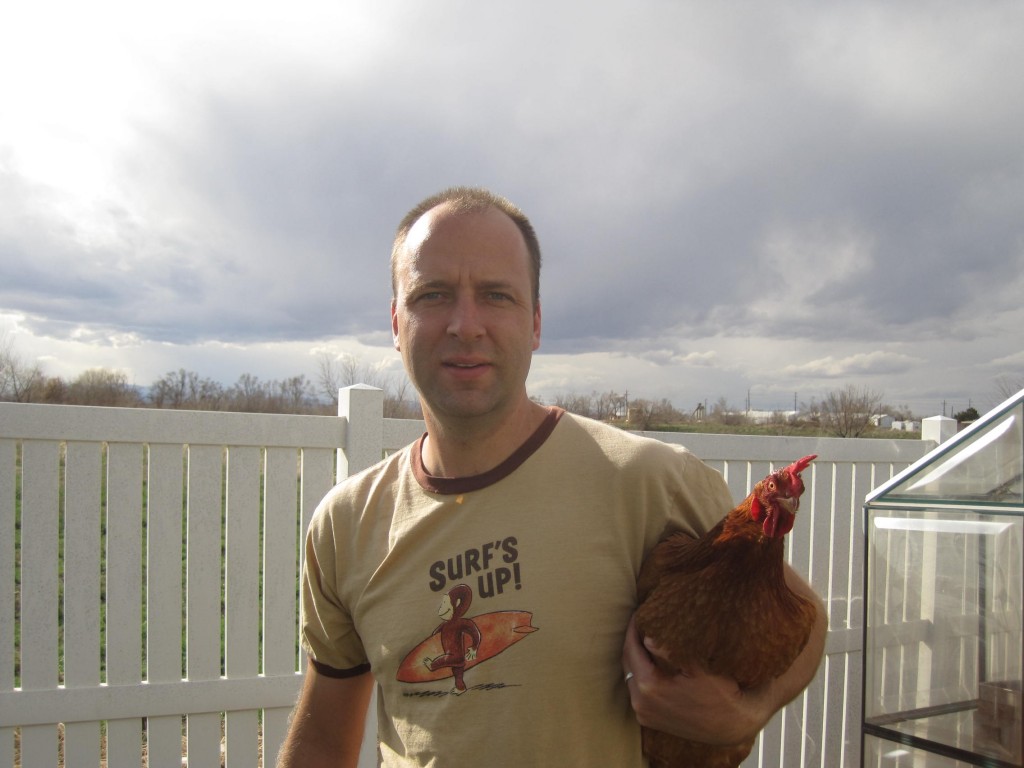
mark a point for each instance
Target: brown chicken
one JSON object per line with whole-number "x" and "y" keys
{"x": 721, "y": 602}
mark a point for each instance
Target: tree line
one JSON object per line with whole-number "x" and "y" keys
{"x": 846, "y": 412}
{"x": 843, "y": 412}
{"x": 23, "y": 381}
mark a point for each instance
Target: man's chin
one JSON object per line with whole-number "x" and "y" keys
{"x": 464, "y": 405}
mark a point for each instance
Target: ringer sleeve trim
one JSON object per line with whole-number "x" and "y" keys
{"x": 339, "y": 674}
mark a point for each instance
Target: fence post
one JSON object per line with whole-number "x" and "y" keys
{"x": 938, "y": 428}
{"x": 362, "y": 407}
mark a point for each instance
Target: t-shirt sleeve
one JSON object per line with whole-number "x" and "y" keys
{"x": 328, "y": 632}
{"x": 701, "y": 495}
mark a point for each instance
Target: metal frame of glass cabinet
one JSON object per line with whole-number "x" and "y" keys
{"x": 943, "y": 561}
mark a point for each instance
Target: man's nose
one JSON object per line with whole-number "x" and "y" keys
{"x": 466, "y": 320}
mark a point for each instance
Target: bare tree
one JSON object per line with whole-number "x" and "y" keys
{"x": 847, "y": 412}
{"x": 723, "y": 413}
{"x": 611, "y": 405}
{"x": 647, "y": 414}
{"x": 641, "y": 414}
{"x": 581, "y": 405}
{"x": 101, "y": 386}
{"x": 55, "y": 390}
{"x": 20, "y": 380}
{"x": 250, "y": 395}
{"x": 337, "y": 371}
{"x": 185, "y": 389}
{"x": 1007, "y": 386}
{"x": 296, "y": 394}
{"x": 397, "y": 404}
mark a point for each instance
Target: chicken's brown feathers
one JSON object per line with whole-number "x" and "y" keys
{"x": 721, "y": 601}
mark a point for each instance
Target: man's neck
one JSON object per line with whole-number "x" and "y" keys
{"x": 467, "y": 449}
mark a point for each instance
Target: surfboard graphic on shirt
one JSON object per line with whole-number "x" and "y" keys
{"x": 460, "y": 643}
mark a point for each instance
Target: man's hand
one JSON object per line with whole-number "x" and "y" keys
{"x": 690, "y": 703}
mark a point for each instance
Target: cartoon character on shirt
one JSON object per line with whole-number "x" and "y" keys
{"x": 460, "y": 637}
{"x": 461, "y": 642}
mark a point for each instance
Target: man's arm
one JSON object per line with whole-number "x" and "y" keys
{"x": 709, "y": 708}
{"x": 326, "y": 729}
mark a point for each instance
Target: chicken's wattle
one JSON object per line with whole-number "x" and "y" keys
{"x": 778, "y": 521}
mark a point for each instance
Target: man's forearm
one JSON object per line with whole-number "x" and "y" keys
{"x": 326, "y": 729}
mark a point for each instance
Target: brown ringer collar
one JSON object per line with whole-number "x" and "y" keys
{"x": 455, "y": 485}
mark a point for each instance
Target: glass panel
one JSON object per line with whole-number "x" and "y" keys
{"x": 943, "y": 651}
{"x": 880, "y": 753}
{"x": 988, "y": 466}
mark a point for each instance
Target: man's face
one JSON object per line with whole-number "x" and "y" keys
{"x": 463, "y": 315}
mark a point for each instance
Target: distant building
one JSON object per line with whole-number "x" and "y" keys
{"x": 882, "y": 421}
{"x": 770, "y": 417}
{"x": 906, "y": 426}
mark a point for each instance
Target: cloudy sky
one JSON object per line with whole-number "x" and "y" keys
{"x": 777, "y": 199}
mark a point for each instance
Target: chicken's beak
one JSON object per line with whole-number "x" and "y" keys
{"x": 791, "y": 503}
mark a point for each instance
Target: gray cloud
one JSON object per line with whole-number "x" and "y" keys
{"x": 871, "y": 362}
{"x": 699, "y": 176}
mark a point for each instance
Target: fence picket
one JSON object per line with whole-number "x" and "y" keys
{"x": 8, "y": 476}
{"x": 203, "y": 596}
{"x": 801, "y": 550}
{"x": 82, "y": 529}
{"x": 164, "y": 516}
{"x": 40, "y": 512}
{"x": 280, "y": 563}
{"x": 124, "y": 593}
{"x": 242, "y": 603}
{"x": 817, "y": 570}
{"x": 844, "y": 533}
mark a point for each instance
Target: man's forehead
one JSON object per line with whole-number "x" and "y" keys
{"x": 434, "y": 267}
{"x": 422, "y": 228}
{"x": 446, "y": 230}
{"x": 448, "y": 214}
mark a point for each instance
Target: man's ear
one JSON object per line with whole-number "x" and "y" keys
{"x": 394, "y": 326}
{"x": 536, "y": 326}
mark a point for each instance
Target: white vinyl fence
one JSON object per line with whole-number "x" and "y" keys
{"x": 149, "y": 564}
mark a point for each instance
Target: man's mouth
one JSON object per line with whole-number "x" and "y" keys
{"x": 466, "y": 370}
{"x": 464, "y": 364}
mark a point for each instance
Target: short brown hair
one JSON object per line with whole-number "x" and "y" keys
{"x": 466, "y": 200}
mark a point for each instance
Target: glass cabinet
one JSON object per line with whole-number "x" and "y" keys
{"x": 943, "y": 652}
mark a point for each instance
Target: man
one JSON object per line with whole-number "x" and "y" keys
{"x": 526, "y": 524}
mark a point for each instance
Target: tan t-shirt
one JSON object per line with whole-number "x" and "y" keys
{"x": 492, "y": 610}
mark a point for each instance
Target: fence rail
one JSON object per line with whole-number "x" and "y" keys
{"x": 149, "y": 565}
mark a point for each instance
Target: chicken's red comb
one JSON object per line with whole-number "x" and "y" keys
{"x": 800, "y": 465}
